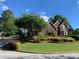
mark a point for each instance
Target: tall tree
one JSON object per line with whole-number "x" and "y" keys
{"x": 8, "y": 24}
{"x": 32, "y": 23}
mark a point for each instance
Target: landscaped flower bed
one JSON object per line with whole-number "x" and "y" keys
{"x": 52, "y": 39}
{"x": 35, "y": 41}
{"x": 40, "y": 38}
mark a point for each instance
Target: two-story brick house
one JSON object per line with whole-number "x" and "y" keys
{"x": 56, "y": 27}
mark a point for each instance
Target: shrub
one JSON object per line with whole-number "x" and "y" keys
{"x": 40, "y": 37}
{"x": 35, "y": 40}
{"x": 62, "y": 40}
{"x": 76, "y": 37}
{"x": 51, "y": 34}
{"x": 70, "y": 39}
{"x": 54, "y": 40}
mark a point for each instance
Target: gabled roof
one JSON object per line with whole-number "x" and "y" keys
{"x": 52, "y": 25}
{"x": 64, "y": 24}
{"x": 52, "y": 22}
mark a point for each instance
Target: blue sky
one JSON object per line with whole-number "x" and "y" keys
{"x": 46, "y": 8}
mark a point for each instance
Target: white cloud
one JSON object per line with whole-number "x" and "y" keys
{"x": 46, "y": 18}
{"x": 4, "y": 7}
{"x": 77, "y": 2}
{"x": 27, "y": 10}
{"x": 42, "y": 13}
{"x": 2, "y": 0}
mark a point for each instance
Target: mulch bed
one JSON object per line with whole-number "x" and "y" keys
{"x": 71, "y": 42}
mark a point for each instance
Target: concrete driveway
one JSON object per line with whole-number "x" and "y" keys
{"x": 19, "y": 55}
{"x": 12, "y": 55}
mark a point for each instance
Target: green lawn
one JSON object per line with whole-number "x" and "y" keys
{"x": 48, "y": 47}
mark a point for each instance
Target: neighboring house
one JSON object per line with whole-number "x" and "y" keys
{"x": 57, "y": 28}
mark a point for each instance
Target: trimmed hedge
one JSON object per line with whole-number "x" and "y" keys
{"x": 62, "y": 40}
{"x": 76, "y": 37}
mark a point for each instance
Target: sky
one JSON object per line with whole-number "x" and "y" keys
{"x": 46, "y": 8}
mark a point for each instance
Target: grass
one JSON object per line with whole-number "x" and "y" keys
{"x": 48, "y": 47}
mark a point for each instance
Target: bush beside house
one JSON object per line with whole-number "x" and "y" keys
{"x": 76, "y": 37}
{"x": 61, "y": 40}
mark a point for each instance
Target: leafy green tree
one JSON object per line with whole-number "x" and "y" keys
{"x": 8, "y": 24}
{"x": 61, "y": 19}
{"x": 32, "y": 23}
{"x": 0, "y": 24}
{"x": 75, "y": 32}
